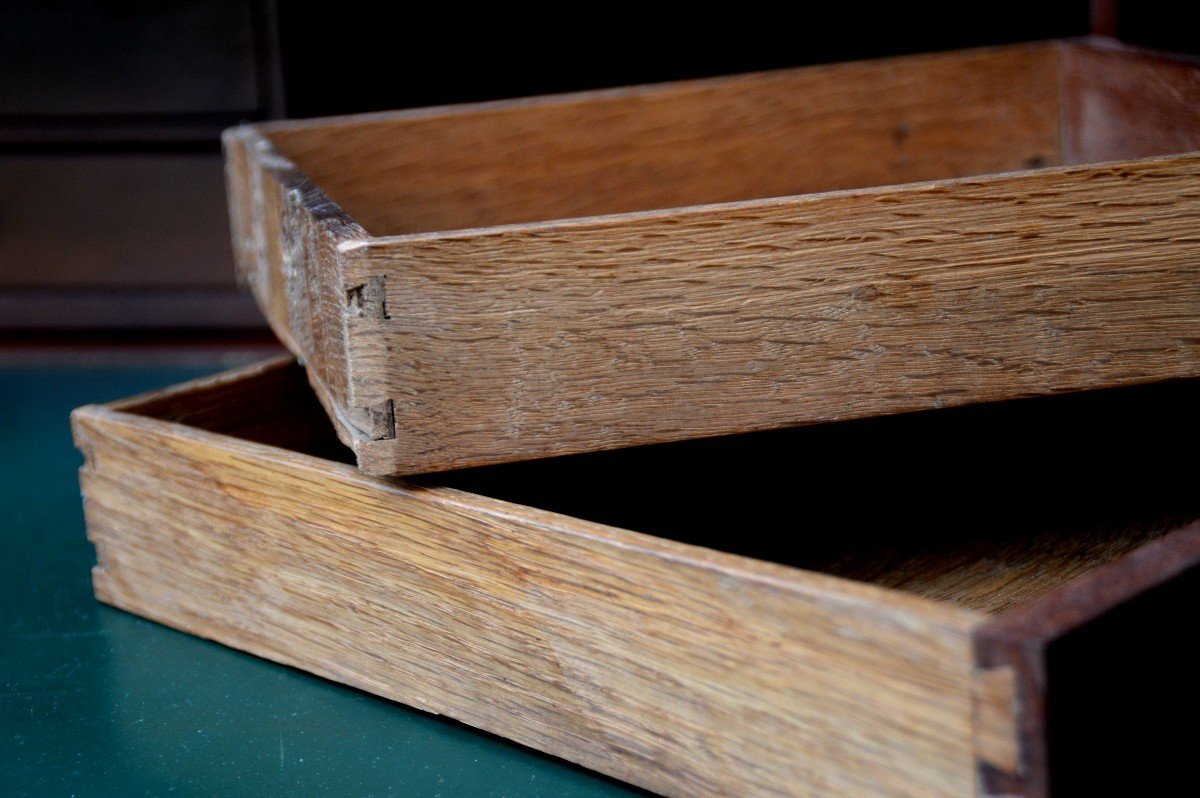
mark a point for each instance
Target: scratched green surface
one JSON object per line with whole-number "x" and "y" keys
{"x": 94, "y": 701}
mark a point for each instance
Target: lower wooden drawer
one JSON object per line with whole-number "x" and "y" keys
{"x": 989, "y": 601}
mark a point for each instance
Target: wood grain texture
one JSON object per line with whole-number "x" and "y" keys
{"x": 286, "y": 235}
{"x": 683, "y": 670}
{"x": 796, "y": 131}
{"x": 993, "y": 575}
{"x": 459, "y": 347}
{"x": 613, "y": 332}
{"x": 672, "y": 666}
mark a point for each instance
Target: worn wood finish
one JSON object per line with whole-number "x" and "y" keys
{"x": 682, "y": 669}
{"x": 438, "y": 347}
{"x": 286, "y": 239}
{"x": 547, "y": 340}
{"x": 789, "y": 132}
{"x": 686, "y": 671}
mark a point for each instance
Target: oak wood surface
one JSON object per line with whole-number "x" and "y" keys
{"x": 686, "y": 671}
{"x": 574, "y": 337}
{"x": 458, "y": 347}
{"x": 677, "y": 667}
{"x": 285, "y": 239}
{"x": 795, "y": 131}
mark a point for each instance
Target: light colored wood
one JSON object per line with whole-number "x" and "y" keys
{"x": 680, "y": 669}
{"x": 996, "y": 734}
{"x": 445, "y": 348}
{"x": 564, "y": 338}
{"x": 676, "y": 667}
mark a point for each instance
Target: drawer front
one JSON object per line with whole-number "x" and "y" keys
{"x": 909, "y": 664}
{"x": 471, "y": 286}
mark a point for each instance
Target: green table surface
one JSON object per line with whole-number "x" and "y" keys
{"x": 94, "y": 701}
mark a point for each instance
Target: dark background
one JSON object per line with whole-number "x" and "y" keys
{"x": 114, "y": 249}
{"x": 112, "y": 206}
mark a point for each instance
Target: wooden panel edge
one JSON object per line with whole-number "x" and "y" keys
{"x": 381, "y": 245}
{"x": 132, "y": 404}
{"x": 1018, "y": 640}
{"x": 126, "y": 413}
{"x": 1015, "y": 199}
{"x": 995, "y": 718}
{"x": 288, "y": 242}
{"x": 1099, "y": 591}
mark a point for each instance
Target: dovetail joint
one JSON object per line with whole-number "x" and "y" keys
{"x": 381, "y": 420}
{"x": 368, "y": 300}
{"x": 84, "y": 444}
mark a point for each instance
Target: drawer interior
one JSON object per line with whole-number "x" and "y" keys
{"x": 985, "y": 507}
{"x": 813, "y": 129}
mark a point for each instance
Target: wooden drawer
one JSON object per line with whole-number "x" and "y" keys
{"x": 487, "y": 283}
{"x": 981, "y": 601}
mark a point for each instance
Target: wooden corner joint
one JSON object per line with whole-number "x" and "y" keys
{"x": 82, "y": 431}
{"x": 995, "y": 722}
{"x": 381, "y": 420}
{"x": 84, "y": 444}
{"x": 82, "y": 437}
{"x": 368, "y": 300}
{"x": 366, "y": 423}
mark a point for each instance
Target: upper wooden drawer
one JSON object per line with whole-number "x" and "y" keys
{"x": 988, "y": 600}
{"x": 841, "y": 254}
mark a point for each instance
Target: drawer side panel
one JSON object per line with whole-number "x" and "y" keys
{"x": 682, "y": 670}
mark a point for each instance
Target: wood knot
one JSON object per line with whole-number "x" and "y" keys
{"x": 864, "y": 293}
